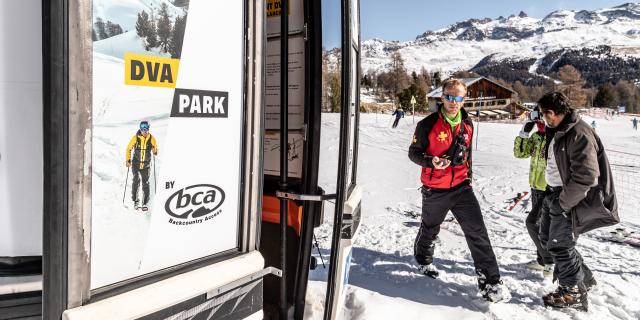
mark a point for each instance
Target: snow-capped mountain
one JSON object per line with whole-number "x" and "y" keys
{"x": 519, "y": 38}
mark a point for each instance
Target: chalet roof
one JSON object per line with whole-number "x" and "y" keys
{"x": 437, "y": 93}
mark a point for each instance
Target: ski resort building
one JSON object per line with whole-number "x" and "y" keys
{"x": 485, "y": 98}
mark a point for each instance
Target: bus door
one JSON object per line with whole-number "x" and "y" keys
{"x": 293, "y": 204}
{"x": 152, "y": 173}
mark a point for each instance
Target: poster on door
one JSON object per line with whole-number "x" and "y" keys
{"x": 167, "y": 134}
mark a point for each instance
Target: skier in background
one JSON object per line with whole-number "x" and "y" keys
{"x": 399, "y": 113}
{"x": 142, "y": 144}
{"x": 533, "y": 146}
{"x": 634, "y": 121}
{"x": 593, "y": 125}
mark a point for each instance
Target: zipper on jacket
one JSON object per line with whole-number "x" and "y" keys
{"x": 452, "y": 175}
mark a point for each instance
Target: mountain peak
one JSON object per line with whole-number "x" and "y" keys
{"x": 522, "y": 14}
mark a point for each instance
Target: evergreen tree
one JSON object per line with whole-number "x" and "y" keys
{"x": 113, "y": 29}
{"x": 177, "y": 36}
{"x": 164, "y": 28}
{"x": 604, "y": 98}
{"x": 437, "y": 79}
{"x": 101, "y": 29}
{"x": 404, "y": 98}
{"x": 145, "y": 29}
{"x": 94, "y": 35}
{"x": 142, "y": 24}
{"x": 152, "y": 37}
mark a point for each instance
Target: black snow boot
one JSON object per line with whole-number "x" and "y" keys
{"x": 428, "y": 270}
{"x": 567, "y": 297}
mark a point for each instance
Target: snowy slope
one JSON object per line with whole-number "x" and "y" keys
{"x": 127, "y": 42}
{"x": 120, "y": 233}
{"x": 383, "y": 279}
{"x": 462, "y": 45}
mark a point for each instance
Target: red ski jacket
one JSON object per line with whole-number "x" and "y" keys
{"x": 433, "y": 137}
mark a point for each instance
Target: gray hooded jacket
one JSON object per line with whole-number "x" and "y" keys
{"x": 587, "y": 182}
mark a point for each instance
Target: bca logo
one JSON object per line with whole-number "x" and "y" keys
{"x": 188, "y": 103}
{"x": 195, "y": 201}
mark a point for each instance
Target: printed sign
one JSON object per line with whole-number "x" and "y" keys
{"x": 150, "y": 71}
{"x": 167, "y": 140}
{"x": 200, "y": 104}
{"x": 272, "y": 154}
{"x": 296, "y": 17}
{"x": 296, "y": 84}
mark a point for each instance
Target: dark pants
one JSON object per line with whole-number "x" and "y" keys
{"x": 137, "y": 175}
{"x": 395, "y": 122}
{"x": 556, "y": 234}
{"x": 533, "y": 226}
{"x": 466, "y": 209}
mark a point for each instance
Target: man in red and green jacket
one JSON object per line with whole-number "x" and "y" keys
{"x": 442, "y": 147}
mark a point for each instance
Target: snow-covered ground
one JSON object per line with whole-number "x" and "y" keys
{"x": 383, "y": 279}
{"x": 120, "y": 233}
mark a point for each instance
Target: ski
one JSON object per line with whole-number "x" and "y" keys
{"x": 517, "y": 199}
{"x": 622, "y": 236}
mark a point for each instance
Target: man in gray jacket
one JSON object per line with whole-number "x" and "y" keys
{"x": 581, "y": 198}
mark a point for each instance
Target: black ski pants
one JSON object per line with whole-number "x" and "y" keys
{"x": 139, "y": 174}
{"x": 395, "y": 122}
{"x": 556, "y": 234}
{"x": 466, "y": 209}
{"x": 533, "y": 226}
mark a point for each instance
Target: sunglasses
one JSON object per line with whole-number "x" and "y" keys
{"x": 144, "y": 129}
{"x": 451, "y": 98}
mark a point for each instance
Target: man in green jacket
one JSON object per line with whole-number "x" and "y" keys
{"x": 533, "y": 147}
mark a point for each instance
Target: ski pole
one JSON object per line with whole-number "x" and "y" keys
{"x": 125, "y": 185}
{"x": 155, "y": 183}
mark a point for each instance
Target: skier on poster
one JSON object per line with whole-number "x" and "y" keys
{"x": 143, "y": 144}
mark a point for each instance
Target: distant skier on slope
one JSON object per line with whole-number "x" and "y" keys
{"x": 442, "y": 147}
{"x": 634, "y": 121}
{"x": 533, "y": 146}
{"x": 142, "y": 144}
{"x": 399, "y": 113}
{"x": 581, "y": 197}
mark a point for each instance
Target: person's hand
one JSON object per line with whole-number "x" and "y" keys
{"x": 526, "y": 128}
{"x": 128, "y": 164}
{"x": 440, "y": 163}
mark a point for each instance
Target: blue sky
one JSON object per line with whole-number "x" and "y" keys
{"x": 405, "y": 19}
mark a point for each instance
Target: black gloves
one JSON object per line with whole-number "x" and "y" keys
{"x": 528, "y": 126}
